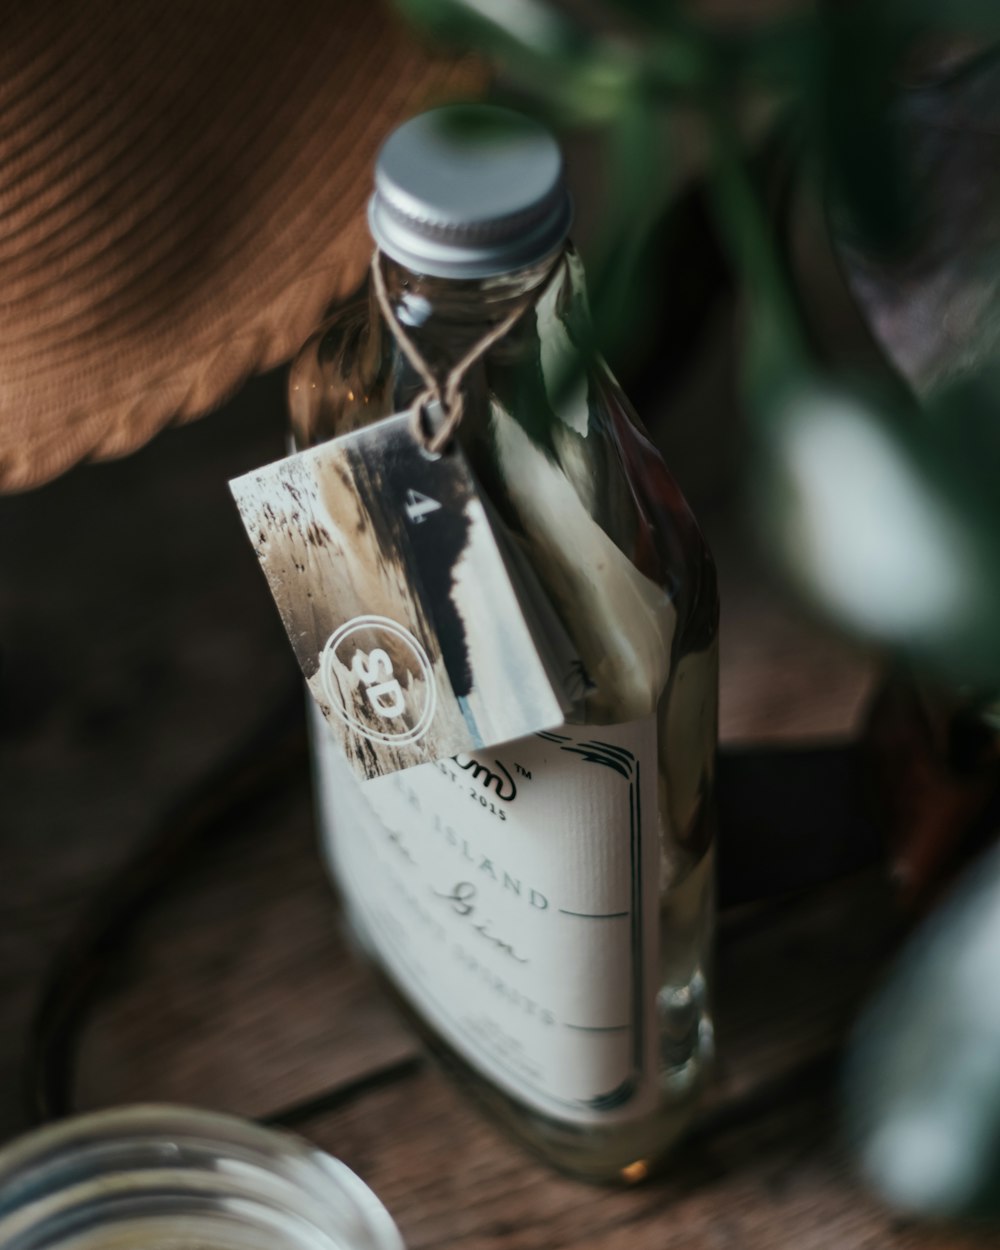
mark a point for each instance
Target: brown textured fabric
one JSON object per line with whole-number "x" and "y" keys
{"x": 181, "y": 192}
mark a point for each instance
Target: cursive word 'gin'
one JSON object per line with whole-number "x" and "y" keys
{"x": 542, "y": 909}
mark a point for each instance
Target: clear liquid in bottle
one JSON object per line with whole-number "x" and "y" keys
{"x": 542, "y": 910}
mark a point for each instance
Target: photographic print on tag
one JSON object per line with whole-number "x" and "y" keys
{"x": 417, "y": 637}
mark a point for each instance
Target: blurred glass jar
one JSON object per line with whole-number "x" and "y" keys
{"x": 172, "y": 1178}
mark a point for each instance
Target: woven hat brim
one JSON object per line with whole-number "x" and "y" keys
{"x": 183, "y": 193}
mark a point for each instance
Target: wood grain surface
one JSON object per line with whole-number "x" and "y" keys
{"x": 777, "y": 1182}
{"x": 139, "y": 646}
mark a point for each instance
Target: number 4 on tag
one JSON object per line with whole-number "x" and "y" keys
{"x": 419, "y": 506}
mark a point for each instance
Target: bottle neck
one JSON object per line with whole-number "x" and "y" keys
{"x": 445, "y": 316}
{"x": 415, "y": 297}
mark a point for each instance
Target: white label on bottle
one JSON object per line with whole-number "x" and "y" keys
{"x": 512, "y": 895}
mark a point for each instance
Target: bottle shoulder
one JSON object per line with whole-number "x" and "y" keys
{"x": 334, "y": 380}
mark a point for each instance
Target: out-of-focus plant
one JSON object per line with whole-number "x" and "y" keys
{"x": 923, "y": 1081}
{"x": 879, "y": 498}
{"x": 884, "y": 511}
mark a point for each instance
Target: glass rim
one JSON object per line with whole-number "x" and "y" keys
{"x": 83, "y": 1163}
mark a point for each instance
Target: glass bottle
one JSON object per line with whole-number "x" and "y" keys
{"x": 175, "y": 1178}
{"x": 542, "y": 910}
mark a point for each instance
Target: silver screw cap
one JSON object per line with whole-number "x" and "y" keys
{"x": 469, "y": 191}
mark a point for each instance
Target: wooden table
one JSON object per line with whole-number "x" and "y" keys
{"x": 138, "y": 649}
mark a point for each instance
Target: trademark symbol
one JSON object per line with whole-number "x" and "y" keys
{"x": 522, "y": 772}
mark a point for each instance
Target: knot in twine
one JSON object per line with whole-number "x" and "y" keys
{"x": 449, "y": 396}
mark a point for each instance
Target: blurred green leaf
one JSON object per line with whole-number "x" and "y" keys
{"x": 887, "y": 520}
{"x": 963, "y": 427}
{"x": 849, "y": 104}
{"x": 775, "y": 354}
{"x": 923, "y": 1077}
{"x": 543, "y": 51}
{"x": 636, "y": 190}
{"x": 565, "y": 62}
{"x": 784, "y": 54}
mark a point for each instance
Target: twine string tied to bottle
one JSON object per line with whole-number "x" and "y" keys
{"x": 449, "y": 396}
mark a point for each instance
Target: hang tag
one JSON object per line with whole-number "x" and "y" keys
{"x": 419, "y": 637}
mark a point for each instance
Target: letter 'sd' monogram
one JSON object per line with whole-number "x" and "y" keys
{"x": 385, "y": 695}
{"x": 378, "y": 680}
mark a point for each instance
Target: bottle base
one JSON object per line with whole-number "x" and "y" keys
{"x": 617, "y": 1155}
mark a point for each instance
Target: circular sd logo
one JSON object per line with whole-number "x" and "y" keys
{"x": 378, "y": 680}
